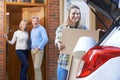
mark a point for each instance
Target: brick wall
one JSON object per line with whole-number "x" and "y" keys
{"x": 99, "y": 25}
{"x": 2, "y": 50}
{"x": 52, "y": 53}
{"x": 107, "y": 21}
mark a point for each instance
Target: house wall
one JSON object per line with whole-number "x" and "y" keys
{"x": 2, "y": 49}
{"x": 52, "y": 53}
{"x": 107, "y": 21}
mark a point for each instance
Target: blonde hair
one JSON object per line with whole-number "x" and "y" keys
{"x": 67, "y": 19}
{"x": 21, "y": 22}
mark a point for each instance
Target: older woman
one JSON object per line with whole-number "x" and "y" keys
{"x": 21, "y": 38}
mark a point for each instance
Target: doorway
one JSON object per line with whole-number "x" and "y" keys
{"x": 14, "y": 14}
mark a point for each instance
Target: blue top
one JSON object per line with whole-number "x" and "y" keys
{"x": 38, "y": 37}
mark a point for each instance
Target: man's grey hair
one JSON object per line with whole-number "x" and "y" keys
{"x": 35, "y": 17}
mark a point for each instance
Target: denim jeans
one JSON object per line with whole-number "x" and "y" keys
{"x": 61, "y": 73}
{"x": 23, "y": 57}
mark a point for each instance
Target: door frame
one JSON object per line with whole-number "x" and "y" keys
{"x": 45, "y": 11}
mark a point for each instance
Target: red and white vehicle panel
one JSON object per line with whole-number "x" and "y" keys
{"x": 102, "y": 62}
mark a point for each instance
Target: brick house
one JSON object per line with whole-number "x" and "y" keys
{"x": 52, "y": 21}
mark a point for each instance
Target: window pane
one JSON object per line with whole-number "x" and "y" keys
{"x": 25, "y": 0}
{"x": 39, "y": 1}
{"x": 87, "y": 18}
{"x": 11, "y": 0}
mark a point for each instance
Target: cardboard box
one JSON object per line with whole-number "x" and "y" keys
{"x": 71, "y": 36}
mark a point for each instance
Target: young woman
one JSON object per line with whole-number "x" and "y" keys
{"x": 21, "y": 38}
{"x": 72, "y": 21}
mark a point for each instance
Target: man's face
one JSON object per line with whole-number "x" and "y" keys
{"x": 35, "y": 22}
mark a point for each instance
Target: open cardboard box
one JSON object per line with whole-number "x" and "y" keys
{"x": 69, "y": 39}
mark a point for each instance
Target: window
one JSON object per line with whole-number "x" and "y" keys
{"x": 87, "y": 17}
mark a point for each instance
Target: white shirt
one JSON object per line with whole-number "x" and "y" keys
{"x": 21, "y": 39}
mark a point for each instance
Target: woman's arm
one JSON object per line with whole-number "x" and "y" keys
{"x": 14, "y": 38}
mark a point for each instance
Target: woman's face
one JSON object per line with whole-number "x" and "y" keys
{"x": 74, "y": 15}
{"x": 23, "y": 25}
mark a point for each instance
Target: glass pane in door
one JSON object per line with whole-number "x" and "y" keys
{"x": 39, "y": 1}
